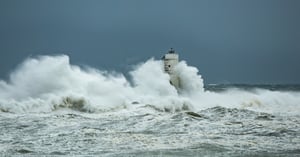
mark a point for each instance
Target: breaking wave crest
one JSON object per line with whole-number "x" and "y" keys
{"x": 49, "y": 83}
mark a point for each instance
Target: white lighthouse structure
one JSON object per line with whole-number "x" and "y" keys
{"x": 171, "y": 59}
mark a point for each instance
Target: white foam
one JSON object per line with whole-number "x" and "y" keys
{"x": 47, "y": 83}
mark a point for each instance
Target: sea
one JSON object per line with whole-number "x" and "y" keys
{"x": 49, "y": 107}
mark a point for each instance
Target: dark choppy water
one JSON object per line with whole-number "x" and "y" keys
{"x": 145, "y": 130}
{"x": 64, "y": 109}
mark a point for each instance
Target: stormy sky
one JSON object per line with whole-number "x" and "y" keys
{"x": 229, "y": 41}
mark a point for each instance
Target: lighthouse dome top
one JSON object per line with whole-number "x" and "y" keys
{"x": 171, "y": 50}
{"x": 171, "y": 55}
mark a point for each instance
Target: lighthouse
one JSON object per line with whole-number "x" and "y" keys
{"x": 170, "y": 61}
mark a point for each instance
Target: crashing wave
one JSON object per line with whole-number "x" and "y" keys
{"x": 49, "y": 83}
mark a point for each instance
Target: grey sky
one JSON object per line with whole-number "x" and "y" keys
{"x": 230, "y": 41}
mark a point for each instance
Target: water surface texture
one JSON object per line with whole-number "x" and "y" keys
{"x": 64, "y": 109}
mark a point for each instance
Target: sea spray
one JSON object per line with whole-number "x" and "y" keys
{"x": 191, "y": 82}
{"x": 49, "y": 83}
{"x": 52, "y": 78}
{"x": 150, "y": 79}
{"x": 61, "y": 109}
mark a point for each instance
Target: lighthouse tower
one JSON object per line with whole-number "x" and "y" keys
{"x": 170, "y": 61}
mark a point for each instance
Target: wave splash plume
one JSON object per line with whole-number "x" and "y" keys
{"x": 50, "y": 107}
{"x": 48, "y": 83}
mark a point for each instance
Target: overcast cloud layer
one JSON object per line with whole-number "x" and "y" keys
{"x": 229, "y": 41}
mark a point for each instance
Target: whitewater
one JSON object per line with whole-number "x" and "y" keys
{"x": 50, "y": 107}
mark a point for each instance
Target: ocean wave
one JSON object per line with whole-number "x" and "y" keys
{"x": 51, "y": 83}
